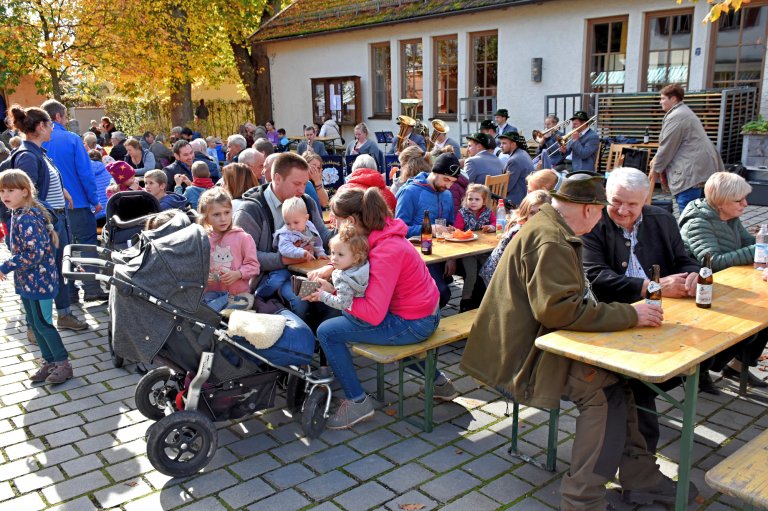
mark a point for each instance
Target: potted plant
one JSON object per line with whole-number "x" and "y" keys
{"x": 754, "y": 151}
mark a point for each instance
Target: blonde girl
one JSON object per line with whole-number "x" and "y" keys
{"x": 33, "y": 243}
{"x": 233, "y": 251}
{"x": 413, "y": 161}
{"x": 476, "y": 213}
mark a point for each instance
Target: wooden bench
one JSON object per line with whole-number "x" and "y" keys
{"x": 451, "y": 329}
{"x": 744, "y": 474}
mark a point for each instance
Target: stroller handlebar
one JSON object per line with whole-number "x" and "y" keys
{"x": 101, "y": 269}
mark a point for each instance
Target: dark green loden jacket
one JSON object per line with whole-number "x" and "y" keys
{"x": 538, "y": 287}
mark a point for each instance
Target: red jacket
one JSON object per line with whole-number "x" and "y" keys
{"x": 399, "y": 281}
{"x": 367, "y": 178}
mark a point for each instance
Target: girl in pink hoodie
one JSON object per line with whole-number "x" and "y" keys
{"x": 233, "y": 251}
{"x": 400, "y": 305}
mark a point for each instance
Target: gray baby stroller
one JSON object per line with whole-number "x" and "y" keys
{"x": 205, "y": 375}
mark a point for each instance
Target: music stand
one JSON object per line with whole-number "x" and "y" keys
{"x": 384, "y": 137}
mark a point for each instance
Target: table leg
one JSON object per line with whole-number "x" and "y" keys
{"x": 686, "y": 440}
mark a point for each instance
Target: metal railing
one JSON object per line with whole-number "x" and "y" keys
{"x": 472, "y": 111}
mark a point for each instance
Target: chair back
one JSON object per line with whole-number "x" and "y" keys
{"x": 498, "y": 184}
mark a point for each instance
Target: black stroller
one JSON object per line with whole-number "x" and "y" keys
{"x": 206, "y": 375}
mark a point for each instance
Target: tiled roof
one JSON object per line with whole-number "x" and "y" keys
{"x": 313, "y": 17}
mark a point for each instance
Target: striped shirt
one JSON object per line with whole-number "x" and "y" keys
{"x": 55, "y": 198}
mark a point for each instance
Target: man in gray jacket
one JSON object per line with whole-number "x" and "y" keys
{"x": 260, "y": 214}
{"x": 686, "y": 156}
{"x": 481, "y": 161}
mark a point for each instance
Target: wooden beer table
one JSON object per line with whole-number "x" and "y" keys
{"x": 441, "y": 251}
{"x": 688, "y": 336}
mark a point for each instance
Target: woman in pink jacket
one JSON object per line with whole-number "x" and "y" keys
{"x": 400, "y": 305}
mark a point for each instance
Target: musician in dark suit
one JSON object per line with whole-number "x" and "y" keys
{"x": 502, "y": 126}
{"x": 315, "y": 145}
{"x": 411, "y": 138}
{"x": 518, "y": 166}
{"x": 550, "y": 146}
{"x": 583, "y": 144}
{"x": 481, "y": 161}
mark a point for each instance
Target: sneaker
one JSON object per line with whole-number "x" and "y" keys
{"x": 752, "y": 380}
{"x": 31, "y": 336}
{"x": 707, "y": 385}
{"x": 100, "y": 296}
{"x": 70, "y": 322}
{"x": 350, "y": 413}
{"x": 42, "y": 372}
{"x": 60, "y": 372}
{"x": 444, "y": 392}
{"x": 663, "y": 492}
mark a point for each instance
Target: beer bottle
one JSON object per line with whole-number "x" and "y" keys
{"x": 426, "y": 235}
{"x": 761, "y": 247}
{"x": 704, "y": 284}
{"x": 653, "y": 293}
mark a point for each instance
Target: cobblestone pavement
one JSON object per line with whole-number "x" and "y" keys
{"x": 80, "y": 446}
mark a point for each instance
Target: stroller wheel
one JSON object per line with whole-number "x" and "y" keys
{"x": 313, "y": 415}
{"x": 116, "y": 360}
{"x": 181, "y": 444}
{"x": 154, "y": 390}
{"x": 295, "y": 394}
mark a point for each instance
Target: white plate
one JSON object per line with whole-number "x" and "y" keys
{"x": 473, "y": 238}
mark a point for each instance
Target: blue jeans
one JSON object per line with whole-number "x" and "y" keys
{"x": 437, "y": 270}
{"x": 48, "y": 339}
{"x": 335, "y": 333}
{"x": 62, "y": 299}
{"x": 280, "y": 280}
{"x": 295, "y": 347}
{"x": 686, "y": 196}
{"x": 82, "y": 221}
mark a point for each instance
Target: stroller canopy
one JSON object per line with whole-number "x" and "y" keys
{"x": 172, "y": 265}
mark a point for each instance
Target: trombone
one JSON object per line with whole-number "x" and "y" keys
{"x": 539, "y": 136}
{"x": 563, "y": 141}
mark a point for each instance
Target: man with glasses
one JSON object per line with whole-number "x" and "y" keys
{"x": 429, "y": 191}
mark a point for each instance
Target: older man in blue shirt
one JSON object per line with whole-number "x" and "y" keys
{"x": 70, "y": 157}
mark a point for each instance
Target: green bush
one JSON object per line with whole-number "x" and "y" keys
{"x": 756, "y": 127}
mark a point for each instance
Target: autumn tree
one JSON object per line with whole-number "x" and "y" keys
{"x": 719, "y": 7}
{"x": 55, "y": 41}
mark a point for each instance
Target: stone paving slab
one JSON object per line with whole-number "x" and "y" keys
{"x": 80, "y": 446}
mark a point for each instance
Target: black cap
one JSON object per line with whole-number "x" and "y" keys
{"x": 447, "y": 164}
{"x": 502, "y": 112}
{"x": 581, "y": 188}
{"x": 483, "y": 139}
{"x": 488, "y": 125}
{"x": 581, "y": 115}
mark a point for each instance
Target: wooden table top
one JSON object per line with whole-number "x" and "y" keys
{"x": 688, "y": 336}
{"x": 441, "y": 251}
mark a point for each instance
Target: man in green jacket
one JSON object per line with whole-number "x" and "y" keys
{"x": 540, "y": 287}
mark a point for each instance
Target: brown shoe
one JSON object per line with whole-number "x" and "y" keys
{"x": 42, "y": 372}
{"x": 60, "y": 372}
{"x": 70, "y": 322}
{"x": 31, "y": 336}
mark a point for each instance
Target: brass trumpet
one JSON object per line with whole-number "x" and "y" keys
{"x": 539, "y": 136}
{"x": 438, "y": 127}
{"x": 565, "y": 138}
{"x": 405, "y": 122}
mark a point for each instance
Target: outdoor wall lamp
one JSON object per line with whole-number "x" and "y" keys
{"x": 536, "y": 64}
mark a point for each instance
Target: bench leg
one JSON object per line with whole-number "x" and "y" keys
{"x": 400, "y": 397}
{"x": 380, "y": 382}
{"x": 551, "y": 464}
{"x": 554, "y": 415}
{"x": 429, "y": 388}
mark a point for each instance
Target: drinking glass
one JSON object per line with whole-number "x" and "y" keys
{"x": 440, "y": 228}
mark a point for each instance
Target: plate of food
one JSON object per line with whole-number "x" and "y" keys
{"x": 415, "y": 239}
{"x": 458, "y": 236}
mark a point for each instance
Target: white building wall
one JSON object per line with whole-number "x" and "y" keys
{"x": 554, "y": 31}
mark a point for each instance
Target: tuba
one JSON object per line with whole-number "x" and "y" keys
{"x": 405, "y": 122}
{"x": 438, "y": 127}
